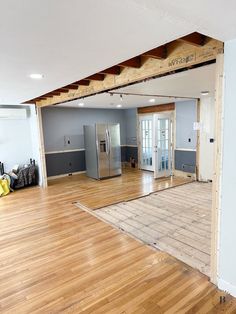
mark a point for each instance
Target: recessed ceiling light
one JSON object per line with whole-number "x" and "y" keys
{"x": 152, "y": 100}
{"x": 119, "y": 106}
{"x": 36, "y": 76}
{"x": 81, "y": 104}
{"x": 205, "y": 93}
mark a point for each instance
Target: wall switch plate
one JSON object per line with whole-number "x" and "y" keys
{"x": 67, "y": 140}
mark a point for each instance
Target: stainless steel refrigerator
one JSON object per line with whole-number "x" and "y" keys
{"x": 102, "y": 150}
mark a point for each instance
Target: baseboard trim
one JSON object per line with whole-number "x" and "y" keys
{"x": 64, "y": 175}
{"x": 179, "y": 173}
{"x": 65, "y": 151}
{"x": 226, "y": 286}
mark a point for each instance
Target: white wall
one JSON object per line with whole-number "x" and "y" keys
{"x": 15, "y": 141}
{"x": 207, "y": 119}
{"x": 19, "y": 139}
{"x": 227, "y": 233}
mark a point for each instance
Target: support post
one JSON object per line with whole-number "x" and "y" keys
{"x": 216, "y": 188}
{"x": 42, "y": 164}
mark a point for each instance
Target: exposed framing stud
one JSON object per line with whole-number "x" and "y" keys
{"x": 216, "y": 188}
{"x": 195, "y": 39}
{"x": 157, "y": 53}
{"x": 132, "y": 63}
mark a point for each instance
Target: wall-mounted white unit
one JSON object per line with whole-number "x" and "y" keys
{"x": 13, "y": 113}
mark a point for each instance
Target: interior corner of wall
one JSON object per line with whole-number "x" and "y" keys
{"x": 227, "y": 287}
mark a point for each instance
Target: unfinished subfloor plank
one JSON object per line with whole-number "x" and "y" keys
{"x": 175, "y": 220}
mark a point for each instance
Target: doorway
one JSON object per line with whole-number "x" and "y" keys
{"x": 146, "y": 142}
{"x": 162, "y": 145}
{"x": 155, "y": 144}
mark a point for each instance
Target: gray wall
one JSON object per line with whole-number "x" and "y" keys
{"x": 131, "y": 125}
{"x": 186, "y": 115}
{"x": 227, "y": 230}
{"x": 67, "y": 123}
{"x": 61, "y": 122}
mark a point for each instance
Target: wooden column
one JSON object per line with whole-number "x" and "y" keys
{"x": 42, "y": 165}
{"x": 216, "y": 189}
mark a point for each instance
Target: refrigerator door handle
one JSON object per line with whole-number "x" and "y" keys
{"x": 107, "y": 143}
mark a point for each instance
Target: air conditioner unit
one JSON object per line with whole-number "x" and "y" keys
{"x": 13, "y": 113}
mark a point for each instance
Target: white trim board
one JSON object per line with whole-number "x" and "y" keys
{"x": 77, "y": 150}
{"x": 226, "y": 286}
{"x": 65, "y": 175}
{"x": 65, "y": 151}
{"x": 186, "y": 149}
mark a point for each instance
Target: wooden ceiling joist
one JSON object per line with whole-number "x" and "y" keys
{"x": 158, "y": 53}
{"x": 51, "y": 94}
{"x": 183, "y": 53}
{"x": 72, "y": 86}
{"x": 195, "y": 39}
{"x": 62, "y": 90}
{"x": 113, "y": 70}
{"x": 96, "y": 77}
{"x": 82, "y": 83}
{"x": 132, "y": 63}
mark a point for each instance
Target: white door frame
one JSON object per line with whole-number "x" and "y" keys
{"x": 140, "y": 118}
{"x": 156, "y": 116}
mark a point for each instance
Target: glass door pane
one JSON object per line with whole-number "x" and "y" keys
{"x": 146, "y": 143}
{"x": 162, "y": 145}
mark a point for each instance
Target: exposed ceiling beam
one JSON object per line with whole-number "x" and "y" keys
{"x": 195, "y": 39}
{"x": 62, "y": 90}
{"x": 157, "y": 62}
{"x": 132, "y": 63}
{"x": 96, "y": 77}
{"x": 51, "y": 94}
{"x": 81, "y": 82}
{"x": 113, "y": 70}
{"x": 157, "y": 53}
{"x": 72, "y": 86}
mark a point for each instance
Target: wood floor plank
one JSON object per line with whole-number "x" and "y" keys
{"x": 57, "y": 258}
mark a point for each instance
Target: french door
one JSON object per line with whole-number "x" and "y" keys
{"x": 162, "y": 145}
{"x": 146, "y": 142}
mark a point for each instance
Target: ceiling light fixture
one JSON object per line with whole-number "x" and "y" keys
{"x": 152, "y": 100}
{"x": 81, "y": 104}
{"x": 36, "y": 76}
{"x": 205, "y": 93}
{"x": 119, "y": 106}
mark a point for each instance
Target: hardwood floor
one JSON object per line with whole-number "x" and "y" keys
{"x": 56, "y": 258}
{"x": 176, "y": 221}
{"x": 131, "y": 185}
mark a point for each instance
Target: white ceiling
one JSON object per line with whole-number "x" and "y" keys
{"x": 185, "y": 84}
{"x": 69, "y": 40}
